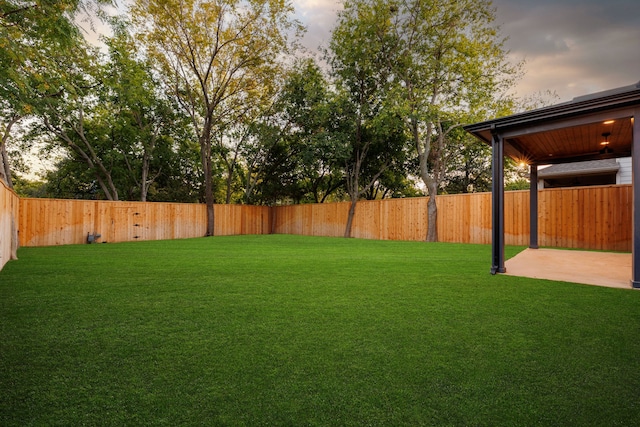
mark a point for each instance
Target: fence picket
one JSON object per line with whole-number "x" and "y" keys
{"x": 586, "y": 217}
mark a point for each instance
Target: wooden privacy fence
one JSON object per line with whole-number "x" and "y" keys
{"x": 45, "y": 222}
{"x": 9, "y": 205}
{"x": 584, "y": 217}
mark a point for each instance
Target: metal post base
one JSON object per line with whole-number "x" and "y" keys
{"x": 495, "y": 270}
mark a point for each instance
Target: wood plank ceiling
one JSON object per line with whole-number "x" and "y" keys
{"x": 583, "y": 142}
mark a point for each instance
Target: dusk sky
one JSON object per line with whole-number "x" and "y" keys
{"x": 571, "y": 47}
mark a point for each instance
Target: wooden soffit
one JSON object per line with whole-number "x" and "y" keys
{"x": 592, "y": 127}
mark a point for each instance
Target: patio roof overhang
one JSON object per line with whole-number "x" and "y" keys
{"x": 597, "y": 126}
{"x": 568, "y": 132}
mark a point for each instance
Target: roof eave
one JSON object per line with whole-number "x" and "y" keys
{"x": 595, "y": 171}
{"x": 627, "y": 96}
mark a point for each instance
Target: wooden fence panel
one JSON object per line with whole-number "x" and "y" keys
{"x": 480, "y": 220}
{"x": 453, "y": 212}
{"x": 329, "y": 219}
{"x": 9, "y": 222}
{"x": 322, "y": 219}
{"x": 252, "y": 219}
{"x": 48, "y": 222}
{"x": 410, "y": 217}
{"x": 516, "y": 218}
{"x": 586, "y": 217}
{"x": 366, "y": 221}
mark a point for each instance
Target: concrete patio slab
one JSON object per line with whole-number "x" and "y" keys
{"x": 591, "y": 268}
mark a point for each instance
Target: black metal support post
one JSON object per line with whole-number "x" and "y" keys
{"x": 497, "y": 203}
{"x": 635, "y": 160}
{"x": 533, "y": 207}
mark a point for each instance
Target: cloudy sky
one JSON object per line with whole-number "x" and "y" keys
{"x": 571, "y": 47}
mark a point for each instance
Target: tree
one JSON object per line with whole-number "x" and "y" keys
{"x": 9, "y": 119}
{"x": 455, "y": 69}
{"x": 469, "y": 166}
{"x": 75, "y": 117}
{"x": 395, "y": 183}
{"x": 314, "y": 124}
{"x": 220, "y": 58}
{"x": 358, "y": 57}
{"x": 142, "y": 117}
{"x": 447, "y": 67}
{"x": 33, "y": 34}
{"x": 112, "y": 117}
{"x": 376, "y": 148}
{"x": 468, "y": 163}
{"x": 298, "y": 153}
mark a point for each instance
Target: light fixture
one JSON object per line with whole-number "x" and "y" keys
{"x": 605, "y": 143}
{"x": 609, "y": 122}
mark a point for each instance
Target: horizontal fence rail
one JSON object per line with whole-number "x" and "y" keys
{"x": 583, "y": 217}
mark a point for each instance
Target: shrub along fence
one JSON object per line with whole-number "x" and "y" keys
{"x": 583, "y": 217}
{"x": 9, "y": 205}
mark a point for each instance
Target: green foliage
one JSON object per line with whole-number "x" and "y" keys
{"x": 374, "y": 132}
{"x": 292, "y": 330}
{"x": 300, "y": 151}
{"x": 33, "y": 36}
{"x": 147, "y": 128}
{"x": 28, "y": 188}
{"x": 519, "y": 184}
{"x": 214, "y": 113}
{"x": 437, "y": 64}
{"x": 71, "y": 179}
{"x": 468, "y": 164}
{"x": 222, "y": 61}
{"x": 115, "y": 131}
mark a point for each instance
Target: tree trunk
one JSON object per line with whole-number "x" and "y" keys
{"x": 431, "y": 178}
{"x": 208, "y": 197}
{"x": 112, "y": 186}
{"x": 205, "y": 151}
{"x": 144, "y": 185}
{"x": 229, "y": 184}
{"x": 352, "y": 212}
{"x": 5, "y": 168}
{"x": 210, "y": 217}
{"x": 432, "y": 209}
{"x": 432, "y": 213}
{"x": 103, "y": 186}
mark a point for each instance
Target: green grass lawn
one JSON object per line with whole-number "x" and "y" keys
{"x": 290, "y": 330}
